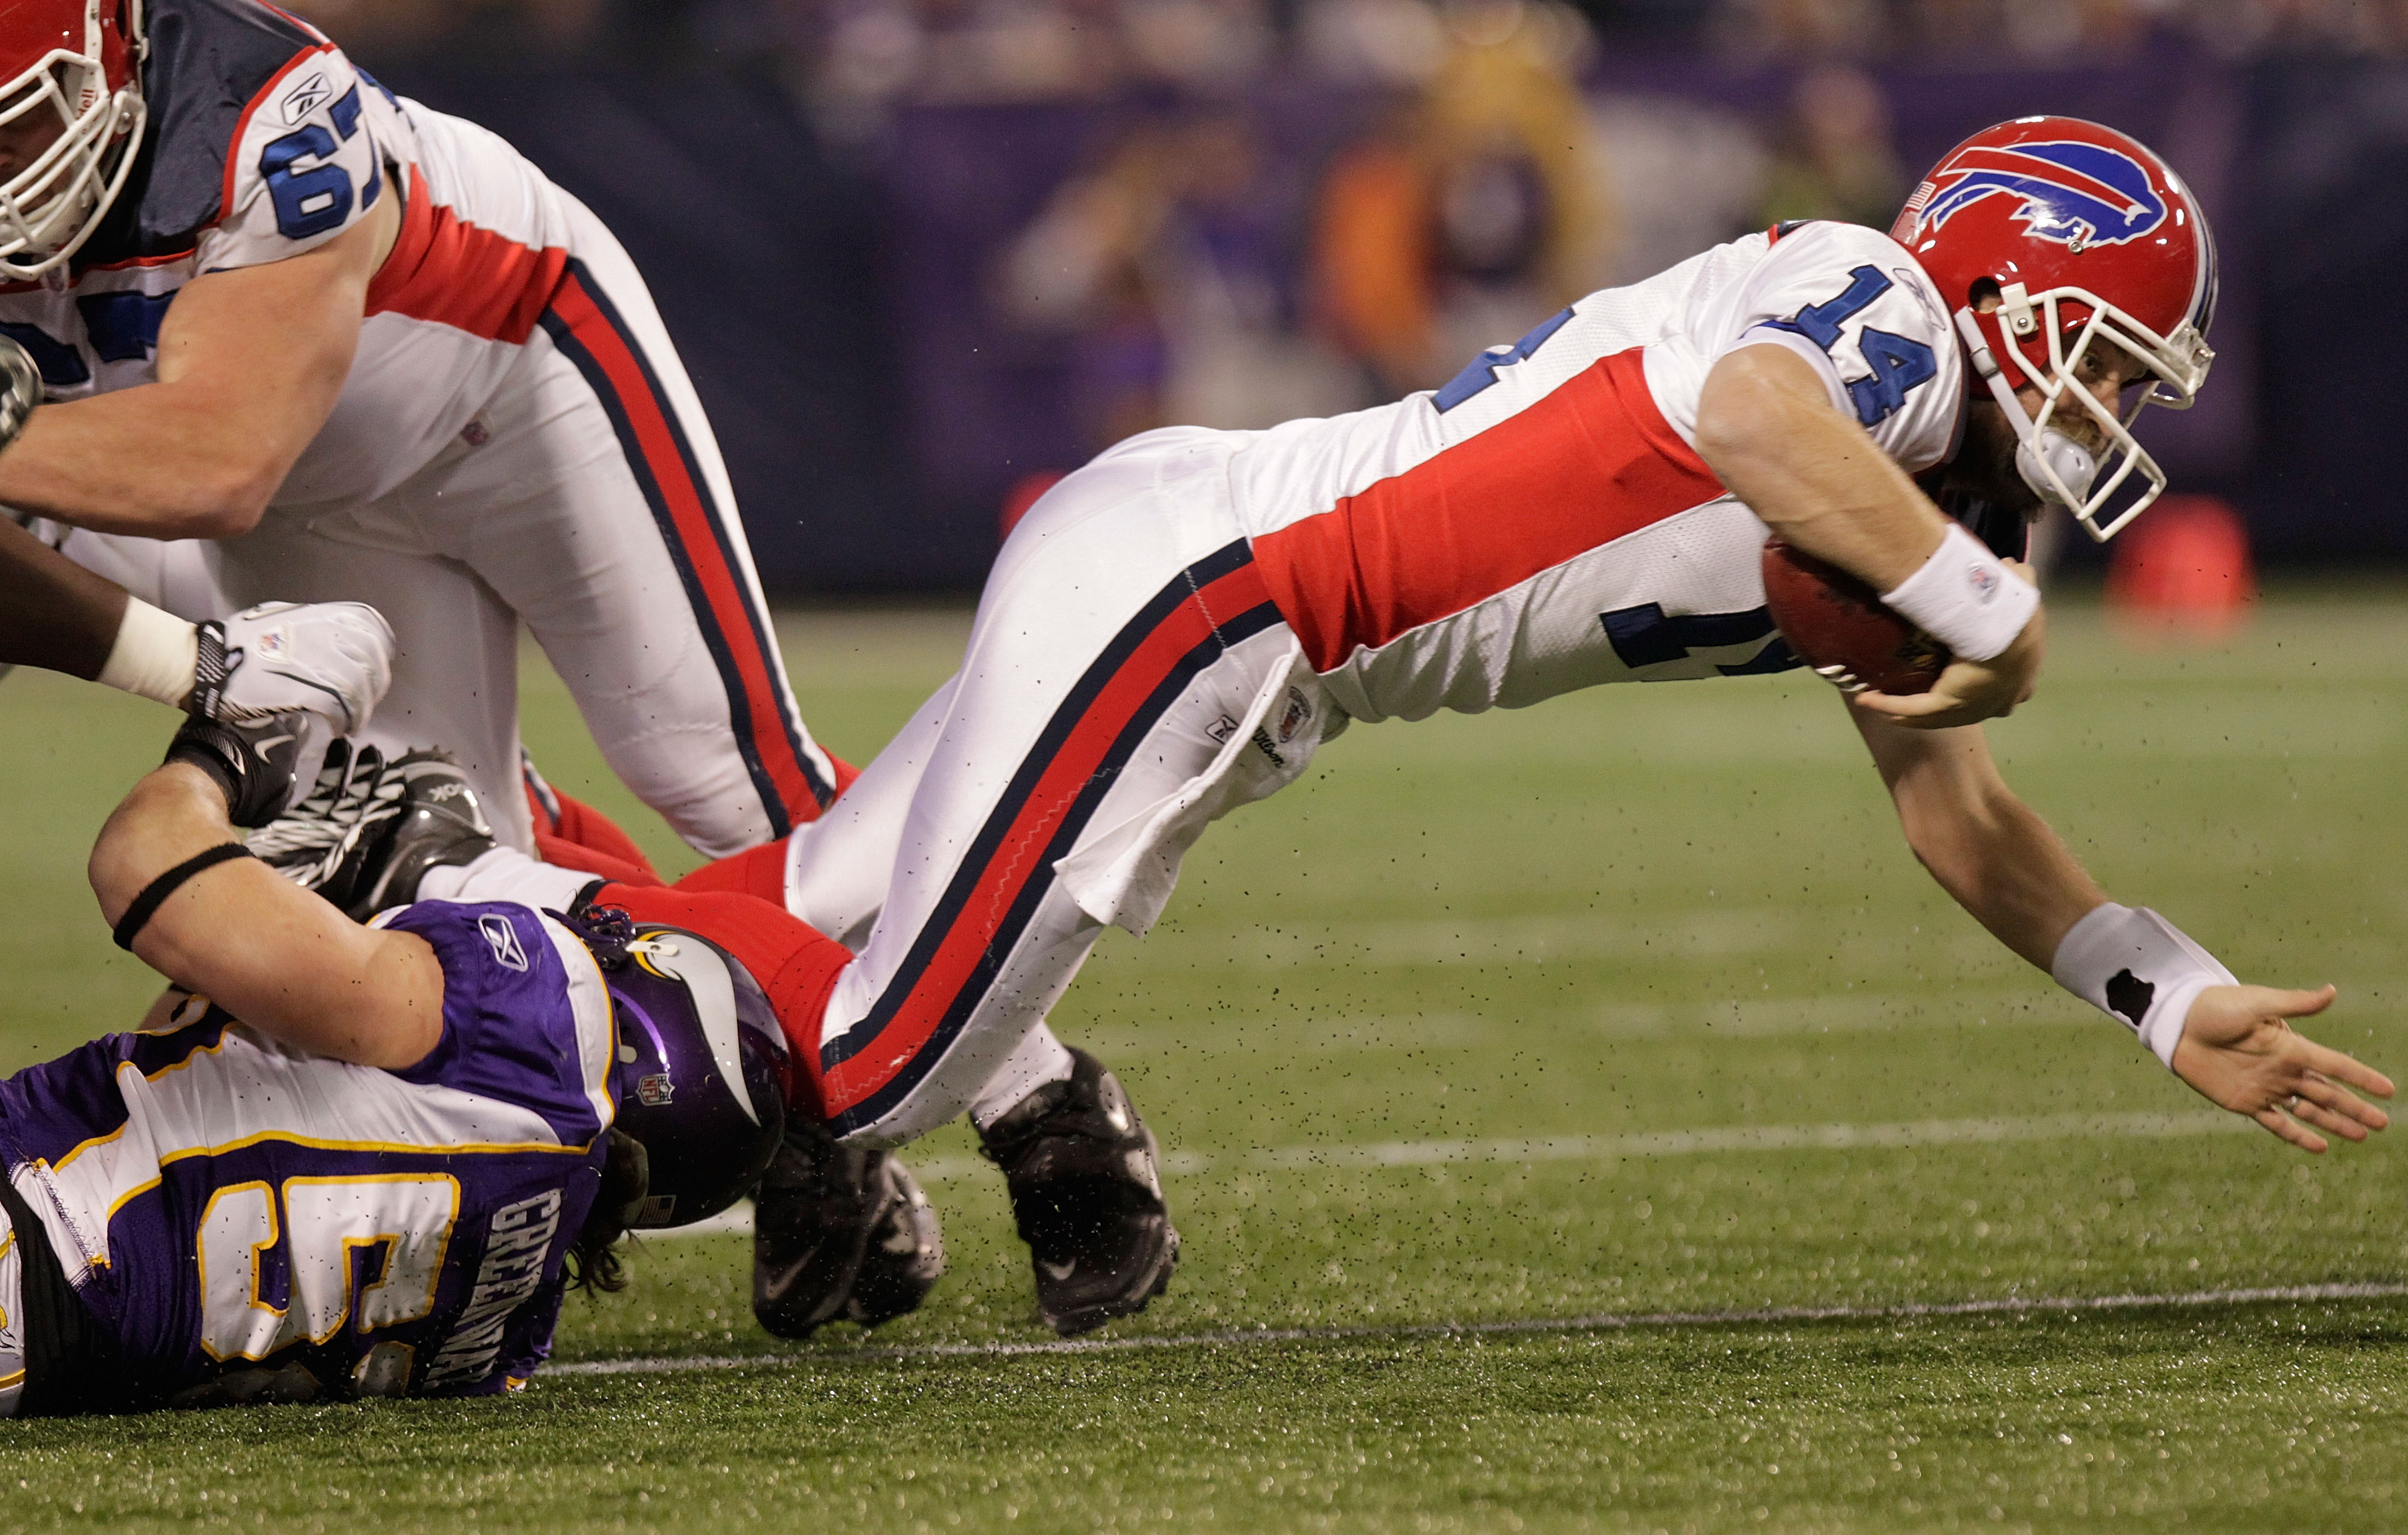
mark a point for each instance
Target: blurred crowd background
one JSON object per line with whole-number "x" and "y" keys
{"x": 922, "y": 255}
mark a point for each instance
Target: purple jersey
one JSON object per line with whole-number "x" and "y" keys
{"x": 218, "y": 1200}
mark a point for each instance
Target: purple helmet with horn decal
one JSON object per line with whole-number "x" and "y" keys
{"x": 701, "y": 1067}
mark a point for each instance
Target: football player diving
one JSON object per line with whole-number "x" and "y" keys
{"x": 1177, "y": 628}
{"x": 343, "y": 1160}
{"x": 301, "y": 337}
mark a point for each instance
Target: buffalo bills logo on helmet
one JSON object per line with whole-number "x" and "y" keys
{"x": 2071, "y": 192}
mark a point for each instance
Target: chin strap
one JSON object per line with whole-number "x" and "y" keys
{"x": 2059, "y": 469}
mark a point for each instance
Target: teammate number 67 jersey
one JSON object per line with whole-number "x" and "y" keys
{"x": 220, "y": 1201}
{"x": 1543, "y": 521}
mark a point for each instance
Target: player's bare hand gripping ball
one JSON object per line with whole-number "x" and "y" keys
{"x": 1968, "y": 691}
{"x": 1880, "y": 658}
{"x": 2239, "y": 1051}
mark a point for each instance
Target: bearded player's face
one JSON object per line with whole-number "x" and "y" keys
{"x": 1984, "y": 466}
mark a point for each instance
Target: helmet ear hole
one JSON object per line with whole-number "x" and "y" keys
{"x": 1983, "y": 295}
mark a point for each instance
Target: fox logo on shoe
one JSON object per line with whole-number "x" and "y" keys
{"x": 2075, "y": 193}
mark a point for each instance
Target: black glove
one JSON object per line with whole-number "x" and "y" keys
{"x": 256, "y": 765}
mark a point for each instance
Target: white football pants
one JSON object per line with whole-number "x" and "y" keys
{"x": 1128, "y": 680}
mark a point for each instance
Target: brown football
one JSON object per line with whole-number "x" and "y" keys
{"x": 1831, "y": 619}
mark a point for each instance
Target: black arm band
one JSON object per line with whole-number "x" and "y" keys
{"x": 147, "y": 904}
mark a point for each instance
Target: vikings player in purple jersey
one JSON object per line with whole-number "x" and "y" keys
{"x": 339, "y": 1160}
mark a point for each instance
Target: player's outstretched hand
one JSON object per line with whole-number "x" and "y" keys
{"x": 1968, "y": 691}
{"x": 2238, "y": 1049}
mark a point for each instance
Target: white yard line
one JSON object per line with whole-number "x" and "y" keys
{"x": 1606, "y": 1322}
{"x": 1613, "y": 1148}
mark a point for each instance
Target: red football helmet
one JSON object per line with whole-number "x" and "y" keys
{"x": 81, "y": 61}
{"x": 2051, "y": 234}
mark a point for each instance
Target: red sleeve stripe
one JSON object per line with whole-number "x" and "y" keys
{"x": 701, "y": 538}
{"x": 454, "y": 273}
{"x": 1009, "y": 868}
{"x": 1591, "y": 462}
{"x": 242, "y": 124}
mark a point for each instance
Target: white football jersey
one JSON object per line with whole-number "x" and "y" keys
{"x": 1544, "y": 523}
{"x": 268, "y": 142}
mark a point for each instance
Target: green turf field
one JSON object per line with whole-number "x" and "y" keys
{"x": 1628, "y": 1005}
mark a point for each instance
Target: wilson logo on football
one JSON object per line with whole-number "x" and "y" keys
{"x": 2076, "y": 194}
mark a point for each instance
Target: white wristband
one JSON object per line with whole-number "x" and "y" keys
{"x": 154, "y": 654}
{"x": 2138, "y": 969}
{"x": 1966, "y": 599}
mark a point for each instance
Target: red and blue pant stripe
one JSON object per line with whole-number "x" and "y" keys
{"x": 1007, "y": 870}
{"x": 703, "y": 538}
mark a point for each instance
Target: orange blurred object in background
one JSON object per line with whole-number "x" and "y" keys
{"x": 1024, "y": 494}
{"x": 2182, "y": 571}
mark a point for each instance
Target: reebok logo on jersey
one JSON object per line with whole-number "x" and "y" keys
{"x": 517, "y": 1243}
{"x": 504, "y": 939}
{"x": 307, "y": 97}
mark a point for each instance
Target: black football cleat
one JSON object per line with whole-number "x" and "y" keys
{"x": 838, "y": 1232}
{"x": 440, "y": 821}
{"x": 905, "y": 1256}
{"x": 1086, "y": 1193}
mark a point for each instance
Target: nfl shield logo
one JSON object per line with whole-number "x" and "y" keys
{"x": 1299, "y": 711}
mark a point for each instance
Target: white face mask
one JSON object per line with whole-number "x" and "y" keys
{"x": 2059, "y": 470}
{"x": 51, "y": 206}
{"x": 2053, "y": 459}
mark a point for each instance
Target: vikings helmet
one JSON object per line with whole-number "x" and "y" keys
{"x": 2080, "y": 235}
{"x": 701, "y": 1070}
{"x": 80, "y": 63}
